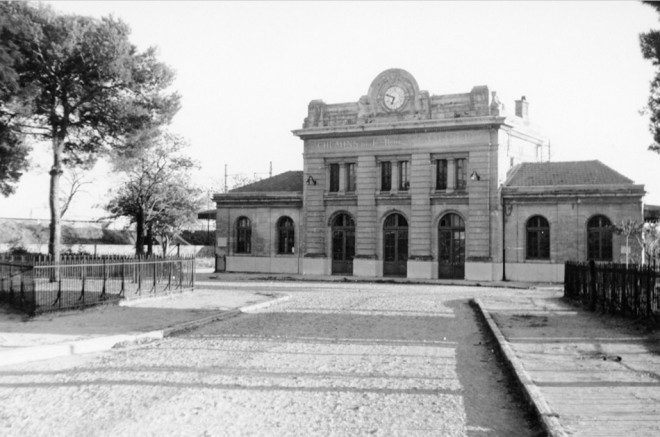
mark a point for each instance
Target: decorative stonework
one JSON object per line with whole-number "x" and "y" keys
{"x": 393, "y": 91}
{"x": 395, "y": 97}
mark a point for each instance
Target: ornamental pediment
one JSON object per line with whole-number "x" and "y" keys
{"x": 394, "y": 96}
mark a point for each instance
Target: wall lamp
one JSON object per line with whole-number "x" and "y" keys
{"x": 310, "y": 180}
{"x": 475, "y": 176}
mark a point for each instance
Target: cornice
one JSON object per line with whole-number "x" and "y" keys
{"x": 277, "y": 199}
{"x": 568, "y": 191}
{"x": 398, "y": 127}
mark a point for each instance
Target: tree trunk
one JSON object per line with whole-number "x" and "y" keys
{"x": 164, "y": 242}
{"x": 139, "y": 234}
{"x": 53, "y": 199}
{"x": 150, "y": 240}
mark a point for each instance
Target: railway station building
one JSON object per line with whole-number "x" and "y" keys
{"x": 404, "y": 183}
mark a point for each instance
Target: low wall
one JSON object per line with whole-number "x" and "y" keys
{"x": 535, "y": 272}
{"x": 523, "y": 272}
{"x": 263, "y": 264}
{"x": 114, "y": 249}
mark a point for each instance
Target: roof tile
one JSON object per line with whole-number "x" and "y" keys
{"x": 287, "y": 181}
{"x": 531, "y": 174}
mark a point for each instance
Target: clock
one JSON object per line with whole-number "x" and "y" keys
{"x": 394, "y": 97}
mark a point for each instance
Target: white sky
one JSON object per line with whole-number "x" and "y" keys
{"x": 247, "y": 72}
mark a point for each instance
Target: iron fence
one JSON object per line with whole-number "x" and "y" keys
{"x": 632, "y": 291}
{"x": 38, "y": 286}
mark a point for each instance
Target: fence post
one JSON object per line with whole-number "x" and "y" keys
{"x": 82, "y": 291}
{"x": 22, "y": 290}
{"x": 59, "y": 292}
{"x": 180, "y": 275}
{"x": 139, "y": 278}
{"x": 155, "y": 265}
{"x": 169, "y": 276}
{"x": 592, "y": 285}
{"x": 624, "y": 294}
{"x": 123, "y": 279}
{"x": 105, "y": 277}
{"x": 11, "y": 286}
{"x": 193, "y": 272}
{"x": 648, "y": 290}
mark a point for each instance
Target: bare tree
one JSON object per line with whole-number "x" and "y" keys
{"x": 75, "y": 180}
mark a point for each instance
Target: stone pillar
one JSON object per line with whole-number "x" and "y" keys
{"x": 313, "y": 218}
{"x": 434, "y": 174}
{"x": 342, "y": 178}
{"x": 395, "y": 177}
{"x": 368, "y": 183}
{"x": 420, "y": 264}
{"x": 478, "y": 226}
{"x": 451, "y": 175}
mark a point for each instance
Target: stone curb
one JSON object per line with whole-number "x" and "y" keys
{"x": 548, "y": 418}
{"x": 100, "y": 344}
{"x": 217, "y": 278}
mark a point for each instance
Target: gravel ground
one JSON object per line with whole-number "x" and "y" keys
{"x": 336, "y": 359}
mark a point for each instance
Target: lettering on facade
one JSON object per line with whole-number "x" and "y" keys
{"x": 452, "y": 138}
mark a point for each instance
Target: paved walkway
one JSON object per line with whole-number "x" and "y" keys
{"x": 336, "y": 359}
{"x": 589, "y": 375}
{"x": 49, "y": 335}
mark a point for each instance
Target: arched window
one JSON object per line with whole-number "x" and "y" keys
{"x": 599, "y": 238}
{"x": 286, "y": 236}
{"x": 538, "y": 238}
{"x": 243, "y": 235}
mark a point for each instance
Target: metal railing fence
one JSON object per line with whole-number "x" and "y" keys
{"x": 42, "y": 286}
{"x": 632, "y": 291}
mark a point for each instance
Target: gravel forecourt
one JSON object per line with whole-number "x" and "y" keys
{"x": 336, "y": 359}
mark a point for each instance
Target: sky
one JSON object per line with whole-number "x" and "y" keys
{"x": 247, "y": 71}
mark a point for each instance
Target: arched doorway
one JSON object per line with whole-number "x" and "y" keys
{"x": 343, "y": 244}
{"x": 451, "y": 247}
{"x": 395, "y": 245}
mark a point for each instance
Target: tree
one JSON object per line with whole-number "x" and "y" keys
{"x": 156, "y": 193}
{"x": 629, "y": 228}
{"x": 13, "y": 151}
{"x": 180, "y": 209}
{"x": 76, "y": 180}
{"x": 81, "y": 85}
{"x": 650, "y": 45}
{"x": 13, "y": 159}
{"x": 649, "y": 240}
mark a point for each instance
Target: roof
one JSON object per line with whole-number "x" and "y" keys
{"x": 207, "y": 214}
{"x": 532, "y": 174}
{"x": 651, "y": 213}
{"x": 287, "y": 181}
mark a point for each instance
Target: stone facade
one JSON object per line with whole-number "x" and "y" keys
{"x": 403, "y": 182}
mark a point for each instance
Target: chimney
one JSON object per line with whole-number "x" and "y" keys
{"x": 522, "y": 108}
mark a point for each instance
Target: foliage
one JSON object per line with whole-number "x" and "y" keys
{"x": 628, "y": 228}
{"x": 649, "y": 239}
{"x": 79, "y": 83}
{"x": 13, "y": 151}
{"x": 18, "y": 251}
{"x": 650, "y": 46}
{"x": 156, "y": 193}
{"x": 13, "y": 159}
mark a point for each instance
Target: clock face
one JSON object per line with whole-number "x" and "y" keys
{"x": 394, "y": 97}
